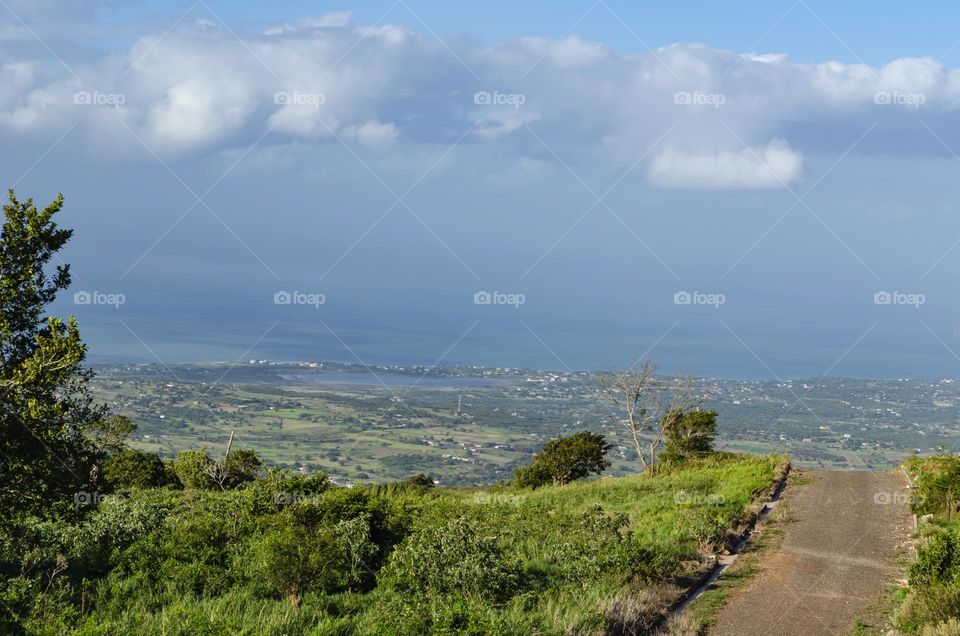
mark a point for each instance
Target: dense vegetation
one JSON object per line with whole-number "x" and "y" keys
{"x": 932, "y": 603}
{"x": 287, "y": 554}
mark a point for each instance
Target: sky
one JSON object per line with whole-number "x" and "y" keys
{"x": 758, "y": 190}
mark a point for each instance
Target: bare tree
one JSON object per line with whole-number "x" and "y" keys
{"x": 217, "y": 470}
{"x": 651, "y": 404}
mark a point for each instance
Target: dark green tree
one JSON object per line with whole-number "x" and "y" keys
{"x": 241, "y": 466}
{"x": 565, "y": 459}
{"x": 46, "y": 409}
{"x": 421, "y": 479}
{"x": 689, "y": 435}
{"x": 136, "y": 469}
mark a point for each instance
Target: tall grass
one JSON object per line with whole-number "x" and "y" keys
{"x": 578, "y": 557}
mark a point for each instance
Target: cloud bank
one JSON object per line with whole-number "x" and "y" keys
{"x": 694, "y": 117}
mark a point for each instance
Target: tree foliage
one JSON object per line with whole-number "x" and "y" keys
{"x": 689, "y": 435}
{"x": 46, "y": 409}
{"x": 197, "y": 470}
{"x": 565, "y": 459}
{"x": 135, "y": 469}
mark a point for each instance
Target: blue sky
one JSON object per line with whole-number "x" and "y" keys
{"x": 753, "y": 190}
{"x": 873, "y": 32}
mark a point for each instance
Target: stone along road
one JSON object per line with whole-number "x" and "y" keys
{"x": 838, "y": 556}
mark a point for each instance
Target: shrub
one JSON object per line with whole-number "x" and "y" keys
{"x": 929, "y": 606}
{"x": 454, "y": 558}
{"x": 938, "y": 485}
{"x": 938, "y": 559}
{"x": 565, "y": 459}
{"x": 689, "y": 435}
{"x": 293, "y": 562}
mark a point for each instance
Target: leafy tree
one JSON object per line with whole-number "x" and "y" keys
{"x": 241, "y": 466}
{"x": 111, "y": 433}
{"x": 196, "y": 469}
{"x": 191, "y": 468}
{"x": 689, "y": 435}
{"x": 46, "y": 408}
{"x": 136, "y": 469}
{"x": 565, "y": 459}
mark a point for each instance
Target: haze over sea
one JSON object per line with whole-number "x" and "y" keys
{"x": 401, "y": 159}
{"x": 555, "y": 335}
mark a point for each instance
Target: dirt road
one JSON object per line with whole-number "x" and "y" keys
{"x": 838, "y": 555}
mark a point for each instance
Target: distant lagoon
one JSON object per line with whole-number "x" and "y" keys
{"x": 365, "y": 378}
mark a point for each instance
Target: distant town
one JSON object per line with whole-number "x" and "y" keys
{"x": 469, "y": 424}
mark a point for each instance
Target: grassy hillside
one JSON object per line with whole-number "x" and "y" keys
{"x": 291, "y": 555}
{"x": 931, "y": 604}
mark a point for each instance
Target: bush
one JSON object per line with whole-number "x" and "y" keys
{"x": 191, "y": 468}
{"x": 929, "y": 606}
{"x": 136, "y": 469}
{"x": 689, "y": 435}
{"x": 938, "y": 485}
{"x": 293, "y": 562}
{"x": 565, "y": 459}
{"x": 454, "y": 558}
{"x": 938, "y": 559}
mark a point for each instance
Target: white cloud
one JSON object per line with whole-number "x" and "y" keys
{"x": 575, "y": 52}
{"x": 502, "y": 122}
{"x": 334, "y": 19}
{"x": 372, "y": 133}
{"x": 773, "y": 166}
{"x": 198, "y": 90}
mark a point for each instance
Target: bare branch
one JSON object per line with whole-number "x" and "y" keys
{"x": 650, "y": 404}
